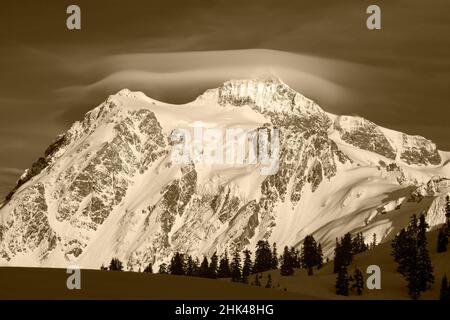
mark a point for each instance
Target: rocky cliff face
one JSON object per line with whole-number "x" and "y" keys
{"x": 107, "y": 187}
{"x": 366, "y": 135}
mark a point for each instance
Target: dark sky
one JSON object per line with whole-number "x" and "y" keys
{"x": 397, "y": 77}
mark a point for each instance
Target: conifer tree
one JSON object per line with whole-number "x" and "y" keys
{"x": 337, "y": 261}
{"x": 309, "y": 254}
{"x": 411, "y": 253}
{"x": 296, "y": 258}
{"x": 399, "y": 248}
{"x": 358, "y": 282}
{"x": 214, "y": 266}
{"x": 319, "y": 262}
{"x": 148, "y": 268}
{"x": 408, "y": 262}
{"x": 342, "y": 282}
{"x": 263, "y": 257}
{"x": 443, "y": 238}
{"x": 236, "y": 273}
{"x": 177, "y": 266}
{"x": 413, "y": 279}
{"x": 358, "y": 245}
{"x": 247, "y": 267}
{"x": 374, "y": 241}
{"x": 343, "y": 253}
{"x": 445, "y": 289}
{"x": 224, "y": 266}
{"x": 269, "y": 281}
{"x": 274, "y": 265}
{"x": 257, "y": 280}
{"x": 115, "y": 265}
{"x": 347, "y": 249}
{"x": 204, "y": 268}
{"x": 287, "y": 268}
{"x": 425, "y": 268}
{"x": 191, "y": 267}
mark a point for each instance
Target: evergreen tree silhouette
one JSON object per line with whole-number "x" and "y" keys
{"x": 197, "y": 267}
{"x": 263, "y": 257}
{"x": 309, "y": 254}
{"x": 274, "y": 257}
{"x": 257, "y": 281}
{"x": 445, "y": 289}
{"x": 343, "y": 253}
{"x": 224, "y": 267}
{"x": 358, "y": 244}
{"x": 247, "y": 267}
{"x": 287, "y": 268}
{"x": 408, "y": 265}
{"x": 148, "y": 268}
{"x": 401, "y": 247}
{"x": 347, "y": 249}
{"x": 296, "y": 258}
{"x": 214, "y": 266}
{"x": 358, "y": 282}
{"x": 204, "y": 268}
{"x": 191, "y": 267}
{"x": 410, "y": 251}
{"x": 337, "y": 261}
{"x": 115, "y": 265}
{"x": 443, "y": 238}
{"x": 269, "y": 281}
{"x": 413, "y": 279}
{"x": 236, "y": 273}
{"x": 319, "y": 262}
{"x": 425, "y": 268}
{"x": 177, "y": 266}
{"x": 342, "y": 282}
{"x": 374, "y": 241}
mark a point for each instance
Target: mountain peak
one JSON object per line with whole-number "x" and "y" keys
{"x": 131, "y": 94}
{"x": 266, "y": 94}
{"x": 262, "y": 79}
{"x": 124, "y": 92}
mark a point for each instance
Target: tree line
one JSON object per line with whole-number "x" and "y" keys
{"x": 240, "y": 265}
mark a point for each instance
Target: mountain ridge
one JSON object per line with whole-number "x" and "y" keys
{"x": 107, "y": 186}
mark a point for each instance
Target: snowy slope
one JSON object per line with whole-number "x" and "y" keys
{"x": 107, "y": 187}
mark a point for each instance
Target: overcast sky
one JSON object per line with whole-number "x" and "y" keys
{"x": 173, "y": 50}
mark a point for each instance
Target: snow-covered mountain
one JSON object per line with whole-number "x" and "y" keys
{"x": 108, "y": 187}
